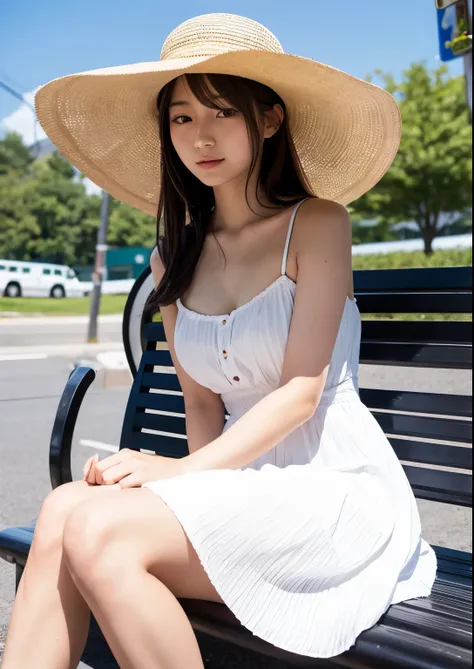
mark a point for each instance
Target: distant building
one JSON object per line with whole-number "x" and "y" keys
{"x": 123, "y": 263}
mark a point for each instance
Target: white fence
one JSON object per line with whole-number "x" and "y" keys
{"x": 449, "y": 242}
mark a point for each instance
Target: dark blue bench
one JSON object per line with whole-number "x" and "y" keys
{"x": 430, "y": 432}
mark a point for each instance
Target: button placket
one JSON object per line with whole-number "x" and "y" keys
{"x": 225, "y": 327}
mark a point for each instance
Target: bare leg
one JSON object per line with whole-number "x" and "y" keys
{"x": 143, "y": 622}
{"x": 50, "y": 620}
{"x": 131, "y": 574}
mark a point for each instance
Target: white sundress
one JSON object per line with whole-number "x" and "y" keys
{"x": 312, "y": 542}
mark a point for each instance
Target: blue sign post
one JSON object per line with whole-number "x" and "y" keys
{"x": 453, "y": 29}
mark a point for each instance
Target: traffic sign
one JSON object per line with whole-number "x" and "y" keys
{"x": 453, "y": 28}
{"x": 442, "y": 4}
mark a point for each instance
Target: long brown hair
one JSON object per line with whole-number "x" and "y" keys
{"x": 185, "y": 203}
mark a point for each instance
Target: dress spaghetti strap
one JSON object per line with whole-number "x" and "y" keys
{"x": 288, "y": 236}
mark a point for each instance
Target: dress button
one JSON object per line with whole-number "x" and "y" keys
{"x": 224, "y": 322}
{"x": 236, "y": 378}
{"x": 224, "y": 353}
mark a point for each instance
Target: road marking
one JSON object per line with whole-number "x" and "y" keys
{"x": 99, "y": 445}
{"x": 24, "y": 356}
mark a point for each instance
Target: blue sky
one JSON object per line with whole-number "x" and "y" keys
{"x": 43, "y": 40}
{"x": 40, "y": 41}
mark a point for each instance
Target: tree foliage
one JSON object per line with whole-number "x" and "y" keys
{"x": 46, "y": 213}
{"x": 430, "y": 179}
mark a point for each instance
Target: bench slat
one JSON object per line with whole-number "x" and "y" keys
{"x": 441, "y": 455}
{"x": 419, "y": 279}
{"x": 440, "y": 486}
{"x": 154, "y": 332}
{"x": 455, "y": 563}
{"x": 409, "y": 401}
{"x": 160, "y": 401}
{"x": 415, "y": 303}
{"x": 159, "y": 357}
{"x": 437, "y": 626}
{"x": 418, "y": 355}
{"x": 160, "y": 381}
{"x": 453, "y": 605}
{"x": 425, "y": 427}
{"x": 160, "y": 422}
{"x": 421, "y": 332}
{"x": 414, "y": 355}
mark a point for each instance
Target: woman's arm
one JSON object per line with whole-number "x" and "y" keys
{"x": 204, "y": 424}
{"x": 323, "y": 244}
{"x": 205, "y": 410}
{"x": 259, "y": 430}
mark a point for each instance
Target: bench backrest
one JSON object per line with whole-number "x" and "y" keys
{"x": 430, "y": 432}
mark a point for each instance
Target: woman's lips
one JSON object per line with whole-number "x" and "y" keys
{"x": 209, "y": 164}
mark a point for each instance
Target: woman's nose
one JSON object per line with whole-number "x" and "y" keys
{"x": 203, "y": 140}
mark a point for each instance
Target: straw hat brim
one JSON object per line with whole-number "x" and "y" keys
{"x": 346, "y": 131}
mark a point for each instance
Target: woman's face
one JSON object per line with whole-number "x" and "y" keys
{"x": 212, "y": 143}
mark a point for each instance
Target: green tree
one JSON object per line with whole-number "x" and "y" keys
{"x": 42, "y": 211}
{"x": 130, "y": 227}
{"x": 14, "y": 155}
{"x": 431, "y": 176}
{"x": 46, "y": 213}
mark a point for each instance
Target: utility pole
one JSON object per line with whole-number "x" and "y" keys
{"x": 99, "y": 268}
{"x": 468, "y": 78}
{"x": 468, "y": 63}
{"x": 454, "y": 19}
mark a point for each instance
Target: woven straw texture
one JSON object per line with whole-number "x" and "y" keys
{"x": 346, "y": 131}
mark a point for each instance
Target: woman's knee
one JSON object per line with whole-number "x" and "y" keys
{"x": 87, "y": 537}
{"x": 54, "y": 511}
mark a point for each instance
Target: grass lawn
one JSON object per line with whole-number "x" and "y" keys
{"x": 109, "y": 304}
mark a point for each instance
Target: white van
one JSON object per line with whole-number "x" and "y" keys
{"x": 38, "y": 279}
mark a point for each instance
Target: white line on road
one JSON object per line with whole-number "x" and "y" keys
{"x": 57, "y": 320}
{"x": 58, "y": 350}
{"x": 24, "y": 356}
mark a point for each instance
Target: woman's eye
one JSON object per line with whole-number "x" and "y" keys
{"x": 181, "y": 119}
{"x": 227, "y": 113}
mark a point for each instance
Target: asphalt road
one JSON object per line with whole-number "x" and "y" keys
{"x": 29, "y": 395}
{"x": 32, "y": 331}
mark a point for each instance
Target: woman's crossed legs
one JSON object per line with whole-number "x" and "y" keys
{"x": 121, "y": 554}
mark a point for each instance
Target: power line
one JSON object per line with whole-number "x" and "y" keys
{"x": 14, "y": 83}
{"x": 20, "y": 96}
{"x": 15, "y": 94}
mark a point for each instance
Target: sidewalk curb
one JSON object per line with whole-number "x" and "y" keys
{"x": 111, "y": 367}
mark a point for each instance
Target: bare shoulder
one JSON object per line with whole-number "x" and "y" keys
{"x": 320, "y": 223}
{"x": 317, "y": 214}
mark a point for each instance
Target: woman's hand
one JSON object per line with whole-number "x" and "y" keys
{"x": 131, "y": 469}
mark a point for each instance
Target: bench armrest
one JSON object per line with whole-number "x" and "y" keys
{"x": 61, "y": 437}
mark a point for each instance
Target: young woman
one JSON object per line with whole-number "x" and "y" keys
{"x": 295, "y": 513}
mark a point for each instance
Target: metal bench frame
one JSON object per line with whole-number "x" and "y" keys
{"x": 430, "y": 432}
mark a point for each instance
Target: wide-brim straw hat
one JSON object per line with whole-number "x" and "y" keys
{"x": 346, "y": 131}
